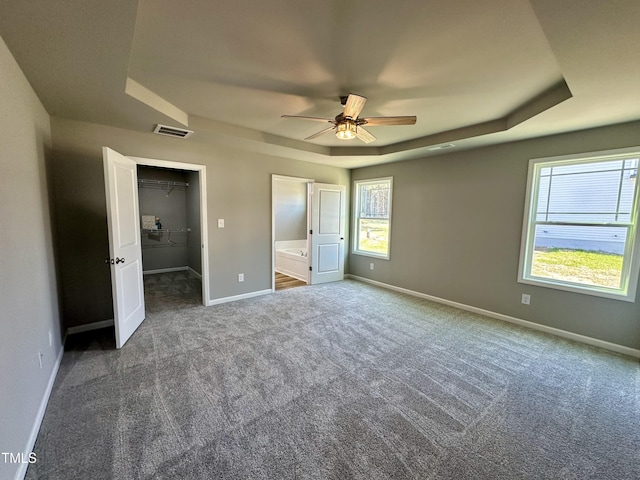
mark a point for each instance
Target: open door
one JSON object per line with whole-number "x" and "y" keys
{"x": 121, "y": 186}
{"x": 327, "y": 232}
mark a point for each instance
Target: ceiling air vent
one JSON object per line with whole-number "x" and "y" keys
{"x": 172, "y": 131}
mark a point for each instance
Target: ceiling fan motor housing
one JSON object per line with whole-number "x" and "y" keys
{"x": 347, "y": 124}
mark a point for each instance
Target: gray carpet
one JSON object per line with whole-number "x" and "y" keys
{"x": 335, "y": 381}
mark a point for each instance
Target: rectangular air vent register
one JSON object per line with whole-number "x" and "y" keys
{"x": 172, "y": 131}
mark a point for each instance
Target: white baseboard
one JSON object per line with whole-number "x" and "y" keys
{"x": 217, "y": 301}
{"x": 194, "y": 272}
{"x": 172, "y": 269}
{"x": 165, "y": 270}
{"x": 90, "y": 326}
{"x": 42, "y": 408}
{"x": 291, "y": 273}
{"x": 614, "y": 347}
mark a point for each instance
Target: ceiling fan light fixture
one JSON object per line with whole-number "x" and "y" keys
{"x": 346, "y": 130}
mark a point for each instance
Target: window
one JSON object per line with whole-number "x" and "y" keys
{"x": 373, "y": 217}
{"x": 579, "y": 230}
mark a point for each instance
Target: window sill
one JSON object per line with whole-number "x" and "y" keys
{"x": 583, "y": 290}
{"x": 370, "y": 254}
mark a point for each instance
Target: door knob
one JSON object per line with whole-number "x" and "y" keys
{"x": 119, "y": 260}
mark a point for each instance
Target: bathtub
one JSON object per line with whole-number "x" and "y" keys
{"x": 293, "y": 262}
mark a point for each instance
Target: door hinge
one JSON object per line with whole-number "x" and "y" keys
{"x": 310, "y": 269}
{"x": 310, "y": 232}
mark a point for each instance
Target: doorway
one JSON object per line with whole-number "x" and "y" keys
{"x": 308, "y": 230}
{"x": 169, "y": 207}
{"x": 125, "y": 237}
{"x": 290, "y": 231}
{"x": 179, "y": 189}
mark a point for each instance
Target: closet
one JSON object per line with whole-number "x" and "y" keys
{"x": 169, "y": 219}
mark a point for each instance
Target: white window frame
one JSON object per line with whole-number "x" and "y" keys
{"x": 631, "y": 263}
{"x": 356, "y": 217}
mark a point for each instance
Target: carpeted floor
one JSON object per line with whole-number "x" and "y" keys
{"x": 335, "y": 381}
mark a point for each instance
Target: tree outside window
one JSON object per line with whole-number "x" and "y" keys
{"x": 373, "y": 217}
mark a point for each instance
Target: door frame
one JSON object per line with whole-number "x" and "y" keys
{"x": 204, "y": 231}
{"x": 274, "y": 179}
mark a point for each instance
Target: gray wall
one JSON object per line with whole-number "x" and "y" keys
{"x": 171, "y": 207}
{"x": 80, "y": 216}
{"x": 456, "y": 227}
{"x": 28, "y": 298}
{"x": 290, "y": 210}
{"x": 238, "y": 190}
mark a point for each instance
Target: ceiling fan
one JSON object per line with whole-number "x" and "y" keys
{"x": 347, "y": 124}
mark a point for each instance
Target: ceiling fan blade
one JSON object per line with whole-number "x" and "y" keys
{"x": 321, "y": 132}
{"x": 354, "y": 105}
{"x": 363, "y": 135}
{"x": 382, "y": 121}
{"x": 315, "y": 119}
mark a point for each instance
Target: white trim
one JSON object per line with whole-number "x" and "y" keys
{"x": 614, "y": 347}
{"x": 165, "y": 270}
{"x": 194, "y": 272}
{"x": 275, "y": 176}
{"x": 291, "y": 273}
{"x": 204, "y": 229}
{"x": 35, "y": 428}
{"x": 155, "y": 101}
{"x": 218, "y": 301}
{"x": 90, "y": 326}
{"x": 356, "y": 218}
{"x": 631, "y": 264}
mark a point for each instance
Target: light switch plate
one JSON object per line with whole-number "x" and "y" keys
{"x": 221, "y": 223}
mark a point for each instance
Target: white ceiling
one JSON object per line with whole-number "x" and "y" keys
{"x": 475, "y": 72}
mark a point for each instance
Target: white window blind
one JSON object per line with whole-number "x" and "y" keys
{"x": 373, "y": 217}
{"x": 580, "y": 223}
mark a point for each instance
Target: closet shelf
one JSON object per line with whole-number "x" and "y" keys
{"x": 146, "y": 231}
{"x": 165, "y": 237}
{"x": 162, "y": 184}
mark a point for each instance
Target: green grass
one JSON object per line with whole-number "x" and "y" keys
{"x": 374, "y": 236}
{"x": 579, "y": 266}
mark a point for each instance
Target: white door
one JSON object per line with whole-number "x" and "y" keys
{"x": 121, "y": 185}
{"x": 327, "y": 232}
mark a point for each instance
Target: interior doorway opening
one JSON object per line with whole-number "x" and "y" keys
{"x": 170, "y": 233}
{"x": 126, "y": 228}
{"x": 290, "y": 232}
{"x": 174, "y": 192}
{"x": 308, "y": 230}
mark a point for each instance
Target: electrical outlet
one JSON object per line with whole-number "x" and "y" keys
{"x": 241, "y": 277}
{"x": 40, "y": 358}
{"x": 371, "y": 266}
{"x": 526, "y": 299}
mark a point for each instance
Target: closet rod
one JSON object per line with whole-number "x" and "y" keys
{"x": 144, "y": 182}
{"x": 145, "y": 231}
